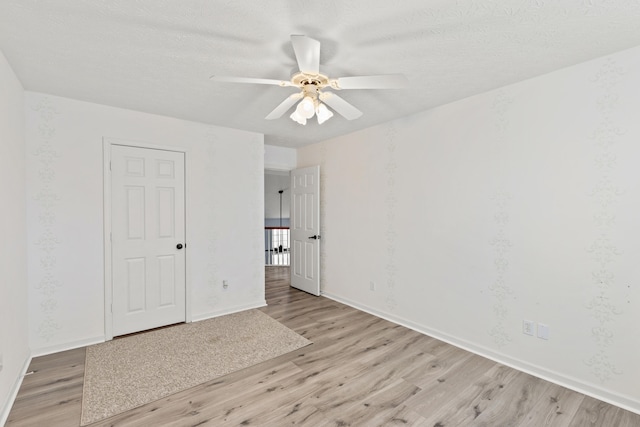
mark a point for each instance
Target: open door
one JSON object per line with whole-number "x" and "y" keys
{"x": 305, "y": 229}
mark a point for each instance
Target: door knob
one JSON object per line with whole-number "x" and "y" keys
{"x": 179, "y": 246}
{"x": 314, "y": 237}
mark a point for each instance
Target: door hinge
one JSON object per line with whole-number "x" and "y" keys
{"x": 109, "y": 164}
{"x": 112, "y": 308}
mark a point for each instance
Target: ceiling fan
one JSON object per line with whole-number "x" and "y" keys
{"x": 312, "y": 98}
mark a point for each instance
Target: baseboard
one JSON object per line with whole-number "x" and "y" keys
{"x": 574, "y": 384}
{"x": 4, "y": 415}
{"x": 67, "y": 346}
{"x": 228, "y": 310}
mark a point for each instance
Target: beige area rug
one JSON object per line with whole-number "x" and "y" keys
{"x": 126, "y": 373}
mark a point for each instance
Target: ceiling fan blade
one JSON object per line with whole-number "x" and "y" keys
{"x": 284, "y": 106}
{"x": 341, "y": 106}
{"x": 307, "y": 52}
{"x": 387, "y": 81}
{"x": 228, "y": 79}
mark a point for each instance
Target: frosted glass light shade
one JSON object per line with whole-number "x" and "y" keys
{"x": 306, "y": 108}
{"x": 323, "y": 113}
{"x": 298, "y": 118}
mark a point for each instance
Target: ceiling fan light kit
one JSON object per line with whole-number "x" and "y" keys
{"x": 310, "y": 106}
{"x": 310, "y": 82}
{"x": 306, "y": 110}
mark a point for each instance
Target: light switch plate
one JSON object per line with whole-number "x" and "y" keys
{"x": 543, "y": 331}
{"x": 528, "y": 327}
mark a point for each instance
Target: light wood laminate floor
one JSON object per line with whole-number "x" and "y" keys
{"x": 359, "y": 371}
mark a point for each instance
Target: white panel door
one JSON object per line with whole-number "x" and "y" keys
{"x": 148, "y": 229}
{"x": 305, "y": 229}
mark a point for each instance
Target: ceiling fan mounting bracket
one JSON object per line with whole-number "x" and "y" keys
{"x": 301, "y": 80}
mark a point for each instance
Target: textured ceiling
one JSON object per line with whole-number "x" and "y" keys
{"x": 157, "y": 55}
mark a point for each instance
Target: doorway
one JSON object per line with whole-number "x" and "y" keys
{"x": 277, "y": 217}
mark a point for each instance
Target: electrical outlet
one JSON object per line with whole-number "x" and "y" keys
{"x": 543, "y": 331}
{"x": 225, "y": 284}
{"x": 528, "y": 326}
{"x": 372, "y": 286}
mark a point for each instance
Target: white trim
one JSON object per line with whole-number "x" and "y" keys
{"x": 4, "y": 415}
{"x": 188, "y": 316}
{"x": 282, "y": 169}
{"x": 44, "y": 351}
{"x": 574, "y": 384}
{"x": 229, "y": 310}
{"x": 106, "y": 226}
{"x": 277, "y": 172}
{"x": 107, "y": 143}
{"x": 142, "y": 144}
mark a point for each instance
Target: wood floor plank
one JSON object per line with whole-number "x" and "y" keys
{"x": 378, "y": 406}
{"x": 519, "y": 396}
{"x": 297, "y": 414}
{"x": 594, "y": 413}
{"x": 443, "y": 363}
{"x": 439, "y": 391}
{"x": 54, "y": 386}
{"x": 473, "y": 400}
{"x": 244, "y": 410}
{"x": 360, "y": 371}
{"x": 207, "y": 400}
{"x": 557, "y": 409}
{"x": 53, "y": 371}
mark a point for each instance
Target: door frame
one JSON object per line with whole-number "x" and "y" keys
{"x": 107, "y": 143}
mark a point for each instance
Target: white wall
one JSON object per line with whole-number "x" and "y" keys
{"x": 273, "y": 183}
{"x": 278, "y": 161}
{"x": 521, "y": 203}
{"x": 279, "y": 158}
{"x": 14, "y": 347}
{"x": 65, "y": 214}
